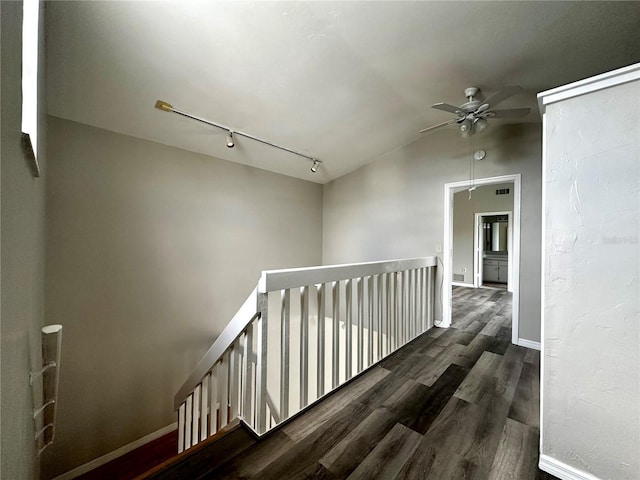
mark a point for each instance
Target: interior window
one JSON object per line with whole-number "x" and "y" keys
{"x": 30, "y": 73}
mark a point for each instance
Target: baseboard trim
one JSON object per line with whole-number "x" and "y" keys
{"x": 562, "y": 470}
{"x": 523, "y": 342}
{"x": 462, "y": 284}
{"x": 98, "y": 462}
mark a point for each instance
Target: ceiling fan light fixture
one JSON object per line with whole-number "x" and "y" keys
{"x": 466, "y": 128}
{"x": 480, "y": 124}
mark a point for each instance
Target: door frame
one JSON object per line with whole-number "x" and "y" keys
{"x": 447, "y": 260}
{"x": 477, "y": 248}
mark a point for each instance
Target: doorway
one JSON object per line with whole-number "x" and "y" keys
{"x": 492, "y": 247}
{"x": 514, "y": 267}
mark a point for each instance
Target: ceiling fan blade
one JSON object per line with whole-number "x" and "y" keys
{"x": 424, "y": 130}
{"x": 509, "y": 113}
{"x": 448, "y": 108}
{"x": 503, "y": 94}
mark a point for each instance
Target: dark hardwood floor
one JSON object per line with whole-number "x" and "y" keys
{"x": 460, "y": 403}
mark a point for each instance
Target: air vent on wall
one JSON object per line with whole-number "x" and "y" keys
{"x": 458, "y": 277}
{"x": 502, "y": 191}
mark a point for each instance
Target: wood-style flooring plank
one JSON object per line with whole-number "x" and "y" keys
{"x": 254, "y": 459}
{"x": 307, "y": 452}
{"x": 433, "y": 368}
{"x": 480, "y": 376}
{"x": 347, "y": 454}
{"x": 525, "y": 407}
{"x": 388, "y": 457}
{"x": 437, "y": 397}
{"x": 508, "y": 373}
{"x": 516, "y": 456}
{"x": 318, "y": 415}
{"x": 533, "y": 357}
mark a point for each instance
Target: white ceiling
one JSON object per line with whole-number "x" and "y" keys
{"x": 345, "y": 82}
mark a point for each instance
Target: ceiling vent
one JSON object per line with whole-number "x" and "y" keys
{"x": 502, "y": 191}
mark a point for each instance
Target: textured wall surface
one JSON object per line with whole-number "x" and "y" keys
{"x": 150, "y": 252}
{"x": 22, "y": 250}
{"x": 591, "y": 396}
{"x": 393, "y": 208}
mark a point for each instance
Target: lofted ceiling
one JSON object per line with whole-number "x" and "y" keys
{"x": 345, "y": 82}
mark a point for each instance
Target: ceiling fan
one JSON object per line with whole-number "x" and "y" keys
{"x": 472, "y": 115}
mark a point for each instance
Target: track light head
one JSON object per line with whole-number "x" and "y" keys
{"x": 314, "y": 167}
{"x": 230, "y": 142}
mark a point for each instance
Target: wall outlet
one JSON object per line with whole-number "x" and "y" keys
{"x": 464, "y": 269}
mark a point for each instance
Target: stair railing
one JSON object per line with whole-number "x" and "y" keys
{"x": 299, "y": 335}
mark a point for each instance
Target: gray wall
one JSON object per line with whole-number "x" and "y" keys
{"x": 483, "y": 199}
{"x": 150, "y": 251}
{"x": 22, "y": 253}
{"x": 393, "y": 208}
{"x": 591, "y": 349}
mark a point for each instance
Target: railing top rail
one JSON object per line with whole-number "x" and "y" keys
{"x": 274, "y": 280}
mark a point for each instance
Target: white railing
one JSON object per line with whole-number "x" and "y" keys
{"x": 299, "y": 335}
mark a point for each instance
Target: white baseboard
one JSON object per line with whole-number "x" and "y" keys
{"x": 523, "y": 342}
{"x": 97, "y": 462}
{"x": 461, "y": 284}
{"x": 562, "y": 470}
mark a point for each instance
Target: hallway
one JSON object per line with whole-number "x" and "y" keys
{"x": 460, "y": 403}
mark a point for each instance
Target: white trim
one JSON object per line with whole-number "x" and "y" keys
{"x": 447, "y": 259}
{"x": 588, "y": 85}
{"x": 543, "y": 272}
{"x": 523, "y": 342}
{"x": 275, "y": 280}
{"x": 98, "y": 462}
{"x": 460, "y": 284}
{"x": 562, "y": 470}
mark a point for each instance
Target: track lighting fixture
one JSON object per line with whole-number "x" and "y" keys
{"x": 167, "y": 107}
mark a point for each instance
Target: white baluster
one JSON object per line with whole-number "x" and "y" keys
{"x": 360, "y": 300}
{"x": 195, "y": 427}
{"x": 181, "y": 427}
{"x": 412, "y": 305}
{"x": 430, "y": 296}
{"x": 234, "y": 379}
{"x": 321, "y": 328}
{"x": 398, "y": 314}
{"x": 188, "y": 421}
{"x": 335, "y": 361}
{"x": 390, "y": 311}
{"x": 213, "y": 399}
{"x": 261, "y": 363}
{"x": 204, "y": 431}
{"x": 381, "y": 315}
{"x": 304, "y": 346}
{"x": 348, "y": 329}
{"x": 223, "y": 388}
{"x": 248, "y": 377}
{"x": 371, "y": 304}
